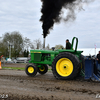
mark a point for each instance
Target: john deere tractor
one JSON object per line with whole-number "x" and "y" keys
{"x": 65, "y": 63}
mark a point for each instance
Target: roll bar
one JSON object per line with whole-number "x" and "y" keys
{"x": 73, "y": 43}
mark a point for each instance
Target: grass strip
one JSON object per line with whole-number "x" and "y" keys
{"x": 13, "y": 68}
{"x": 17, "y": 68}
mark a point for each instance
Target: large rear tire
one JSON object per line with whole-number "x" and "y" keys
{"x": 43, "y": 69}
{"x": 82, "y": 62}
{"x": 82, "y": 66}
{"x": 65, "y": 66}
{"x": 31, "y": 69}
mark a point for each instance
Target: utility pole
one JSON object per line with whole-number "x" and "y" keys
{"x": 10, "y": 46}
{"x": 44, "y": 43}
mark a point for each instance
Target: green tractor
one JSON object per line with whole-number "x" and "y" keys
{"x": 66, "y": 63}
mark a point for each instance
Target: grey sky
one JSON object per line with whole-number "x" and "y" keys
{"x": 24, "y": 15}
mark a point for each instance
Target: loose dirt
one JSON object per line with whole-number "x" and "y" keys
{"x": 16, "y": 85}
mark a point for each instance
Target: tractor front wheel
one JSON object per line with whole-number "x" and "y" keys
{"x": 43, "y": 69}
{"x": 31, "y": 69}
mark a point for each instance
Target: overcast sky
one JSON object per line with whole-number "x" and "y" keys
{"x": 24, "y": 15}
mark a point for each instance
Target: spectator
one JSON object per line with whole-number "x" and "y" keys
{"x": 98, "y": 59}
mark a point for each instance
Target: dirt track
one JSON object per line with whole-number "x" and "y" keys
{"x": 16, "y": 85}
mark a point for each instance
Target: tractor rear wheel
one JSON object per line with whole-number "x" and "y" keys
{"x": 31, "y": 69}
{"x": 82, "y": 66}
{"x": 43, "y": 69}
{"x": 83, "y": 62}
{"x": 65, "y": 66}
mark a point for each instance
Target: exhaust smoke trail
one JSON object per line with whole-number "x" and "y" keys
{"x": 52, "y": 10}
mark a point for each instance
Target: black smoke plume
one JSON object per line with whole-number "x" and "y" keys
{"x": 51, "y": 12}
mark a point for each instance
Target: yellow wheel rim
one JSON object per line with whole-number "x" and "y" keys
{"x": 30, "y": 69}
{"x": 42, "y": 69}
{"x": 64, "y": 67}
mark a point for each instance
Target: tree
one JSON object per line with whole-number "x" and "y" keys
{"x": 59, "y": 46}
{"x": 3, "y": 49}
{"x": 48, "y": 47}
{"x": 38, "y": 44}
{"x": 26, "y": 53}
{"x": 28, "y": 44}
{"x": 14, "y": 40}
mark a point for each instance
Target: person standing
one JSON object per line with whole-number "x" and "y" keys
{"x": 98, "y": 59}
{"x": 68, "y": 44}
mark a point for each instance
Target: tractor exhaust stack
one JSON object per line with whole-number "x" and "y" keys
{"x": 44, "y": 43}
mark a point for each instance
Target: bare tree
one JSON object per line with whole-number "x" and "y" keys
{"x": 48, "y": 47}
{"x": 28, "y": 44}
{"x": 38, "y": 44}
{"x": 59, "y": 46}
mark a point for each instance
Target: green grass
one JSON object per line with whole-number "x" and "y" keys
{"x": 17, "y": 68}
{"x": 13, "y": 68}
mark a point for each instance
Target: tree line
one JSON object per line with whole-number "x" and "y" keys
{"x": 13, "y": 44}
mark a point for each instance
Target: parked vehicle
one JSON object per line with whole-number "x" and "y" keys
{"x": 9, "y": 60}
{"x": 21, "y": 60}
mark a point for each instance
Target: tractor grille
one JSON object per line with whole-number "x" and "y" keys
{"x": 37, "y": 56}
